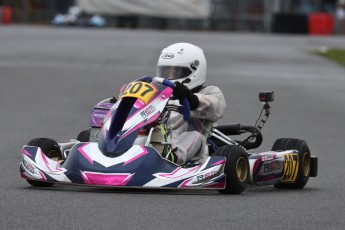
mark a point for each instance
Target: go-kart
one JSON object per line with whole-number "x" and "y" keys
{"x": 124, "y": 154}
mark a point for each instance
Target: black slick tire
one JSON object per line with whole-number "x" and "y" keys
{"x": 236, "y": 168}
{"x": 84, "y": 136}
{"x": 303, "y": 161}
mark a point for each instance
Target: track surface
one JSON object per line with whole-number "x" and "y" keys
{"x": 50, "y": 78}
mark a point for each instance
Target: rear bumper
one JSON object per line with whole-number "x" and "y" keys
{"x": 313, "y": 166}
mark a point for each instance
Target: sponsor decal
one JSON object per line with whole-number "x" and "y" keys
{"x": 167, "y": 56}
{"x": 150, "y": 110}
{"x": 290, "y": 168}
{"x": 99, "y": 115}
{"x": 29, "y": 167}
{"x": 267, "y": 157}
{"x": 147, "y": 111}
{"x": 272, "y": 166}
{"x": 207, "y": 175}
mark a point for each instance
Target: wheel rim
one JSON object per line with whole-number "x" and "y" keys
{"x": 306, "y": 164}
{"x": 241, "y": 169}
{"x": 54, "y": 155}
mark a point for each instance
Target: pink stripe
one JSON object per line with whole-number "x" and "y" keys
{"x": 81, "y": 150}
{"x": 218, "y": 163}
{"x": 44, "y": 157}
{"x": 138, "y": 104}
{"x": 168, "y": 175}
{"x": 256, "y": 165}
{"x": 141, "y": 125}
{"x": 166, "y": 92}
{"x": 26, "y": 153}
{"x": 171, "y": 175}
{"x": 195, "y": 168}
{"x": 47, "y": 163}
{"x": 45, "y": 160}
{"x": 122, "y": 89}
{"x": 106, "y": 179}
{"x": 42, "y": 176}
{"x": 184, "y": 183}
{"x": 23, "y": 175}
{"x": 84, "y": 177}
{"x": 136, "y": 157}
{"x": 216, "y": 185}
{"x": 128, "y": 179}
{"x": 58, "y": 167}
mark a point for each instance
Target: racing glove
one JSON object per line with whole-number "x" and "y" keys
{"x": 181, "y": 91}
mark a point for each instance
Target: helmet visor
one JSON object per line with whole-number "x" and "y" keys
{"x": 173, "y": 72}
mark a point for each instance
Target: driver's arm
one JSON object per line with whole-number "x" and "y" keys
{"x": 211, "y": 104}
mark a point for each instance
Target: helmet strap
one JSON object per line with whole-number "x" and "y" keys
{"x": 197, "y": 89}
{"x": 187, "y": 80}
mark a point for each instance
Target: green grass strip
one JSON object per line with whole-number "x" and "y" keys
{"x": 337, "y": 55}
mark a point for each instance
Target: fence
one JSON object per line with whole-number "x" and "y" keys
{"x": 228, "y": 15}
{"x": 246, "y": 15}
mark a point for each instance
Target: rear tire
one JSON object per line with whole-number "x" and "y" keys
{"x": 84, "y": 136}
{"x": 304, "y": 165}
{"x": 236, "y": 168}
{"x": 51, "y": 149}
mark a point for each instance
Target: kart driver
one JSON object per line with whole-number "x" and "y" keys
{"x": 185, "y": 65}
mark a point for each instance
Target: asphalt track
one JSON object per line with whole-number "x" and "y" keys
{"x": 50, "y": 78}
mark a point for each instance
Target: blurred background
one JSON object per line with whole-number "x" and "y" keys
{"x": 58, "y": 58}
{"x": 319, "y": 17}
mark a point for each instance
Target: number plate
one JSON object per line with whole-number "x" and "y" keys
{"x": 141, "y": 90}
{"x": 290, "y": 168}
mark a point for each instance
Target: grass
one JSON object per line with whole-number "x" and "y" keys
{"x": 337, "y": 55}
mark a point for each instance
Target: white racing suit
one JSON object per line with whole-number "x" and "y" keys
{"x": 189, "y": 140}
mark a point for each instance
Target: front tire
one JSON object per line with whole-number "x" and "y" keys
{"x": 51, "y": 149}
{"x": 304, "y": 164}
{"x": 236, "y": 168}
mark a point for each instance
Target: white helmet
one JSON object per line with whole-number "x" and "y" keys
{"x": 183, "y": 62}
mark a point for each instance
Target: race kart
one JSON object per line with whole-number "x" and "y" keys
{"x": 132, "y": 148}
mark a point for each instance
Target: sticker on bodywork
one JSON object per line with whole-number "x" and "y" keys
{"x": 290, "y": 168}
{"x": 141, "y": 90}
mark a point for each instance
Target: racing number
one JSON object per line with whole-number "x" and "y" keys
{"x": 290, "y": 168}
{"x": 141, "y": 90}
{"x": 133, "y": 89}
{"x": 136, "y": 87}
{"x": 149, "y": 89}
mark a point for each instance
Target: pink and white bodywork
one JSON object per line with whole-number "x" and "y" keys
{"x": 116, "y": 160}
{"x": 87, "y": 165}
